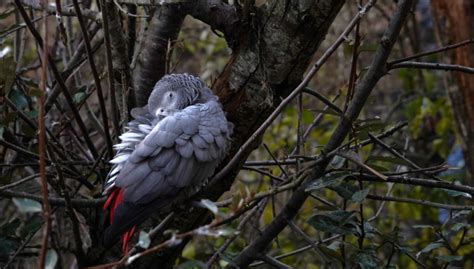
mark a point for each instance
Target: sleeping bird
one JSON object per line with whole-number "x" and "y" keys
{"x": 170, "y": 149}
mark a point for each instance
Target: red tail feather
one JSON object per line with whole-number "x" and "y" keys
{"x": 113, "y": 201}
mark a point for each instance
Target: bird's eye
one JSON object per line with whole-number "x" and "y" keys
{"x": 171, "y": 95}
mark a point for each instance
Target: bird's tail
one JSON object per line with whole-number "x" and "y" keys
{"x": 113, "y": 201}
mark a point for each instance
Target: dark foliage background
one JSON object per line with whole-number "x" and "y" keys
{"x": 393, "y": 191}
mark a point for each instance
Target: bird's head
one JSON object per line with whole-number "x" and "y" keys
{"x": 175, "y": 92}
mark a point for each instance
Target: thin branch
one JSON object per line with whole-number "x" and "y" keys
{"x": 323, "y": 99}
{"x": 18, "y": 182}
{"x": 53, "y": 201}
{"x": 415, "y": 181}
{"x": 42, "y": 145}
{"x": 273, "y": 262}
{"x": 426, "y": 53}
{"x": 398, "y": 155}
{"x": 20, "y": 149}
{"x": 419, "y": 202}
{"x": 70, "y": 210}
{"x": 363, "y": 165}
{"x": 433, "y": 66}
{"x": 300, "y": 250}
{"x": 110, "y": 68}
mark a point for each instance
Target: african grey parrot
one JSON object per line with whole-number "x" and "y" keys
{"x": 171, "y": 148}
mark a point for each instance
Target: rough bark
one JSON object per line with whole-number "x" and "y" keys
{"x": 164, "y": 27}
{"x": 454, "y": 19}
{"x": 273, "y": 51}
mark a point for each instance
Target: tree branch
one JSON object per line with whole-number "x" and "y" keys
{"x": 151, "y": 64}
{"x": 432, "y": 66}
{"x": 363, "y": 90}
{"x": 419, "y": 202}
{"x": 54, "y": 201}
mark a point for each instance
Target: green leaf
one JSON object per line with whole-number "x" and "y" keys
{"x": 27, "y": 205}
{"x": 326, "y": 181}
{"x": 9, "y": 228}
{"x": 210, "y": 205}
{"x": 144, "y": 240}
{"x": 454, "y": 193}
{"x": 345, "y": 190}
{"x": 31, "y": 226}
{"x": 79, "y": 97}
{"x": 7, "y": 246}
{"x": 51, "y": 259}
{"x": 449, "y": 258}
{"x": 32, "y": 114}
{"x": 430, "y": 247}
{"x": 359, "y": 196}
{"x": 19, "y": 99}
{"x": 423, "y": 226}
{"x": 367, "y": 260}
{"x": 458, "y": 226}
{"x": 7, "y": 73}
{"x": 338, "y": 222}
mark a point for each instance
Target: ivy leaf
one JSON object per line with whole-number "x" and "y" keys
{"x": 337, "y": 222}
{"x": 359, "y": 196}
{"x": 345, "y": 190}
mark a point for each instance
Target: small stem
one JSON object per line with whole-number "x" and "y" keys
{"x": 42, "y": 145}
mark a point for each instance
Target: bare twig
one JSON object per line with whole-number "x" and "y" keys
{"x": 42, "y": 146}
{"x": 397, "y": 154}
{"x": 53, "y": 201}
{"x": 110, "y": 68}
{"x": 273, "y": 262}
{"x": 363, "y": 165}
{"x": 19, "y": 182}
{"x": 426, "y": 53}
{"x": 419, "y": 202}
{"x": 415, "y": 181}
{"x": 433, "y": 66}
{"x": 300, "y": 250}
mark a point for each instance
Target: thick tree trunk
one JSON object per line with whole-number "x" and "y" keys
{"x": 454, "y": 20}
